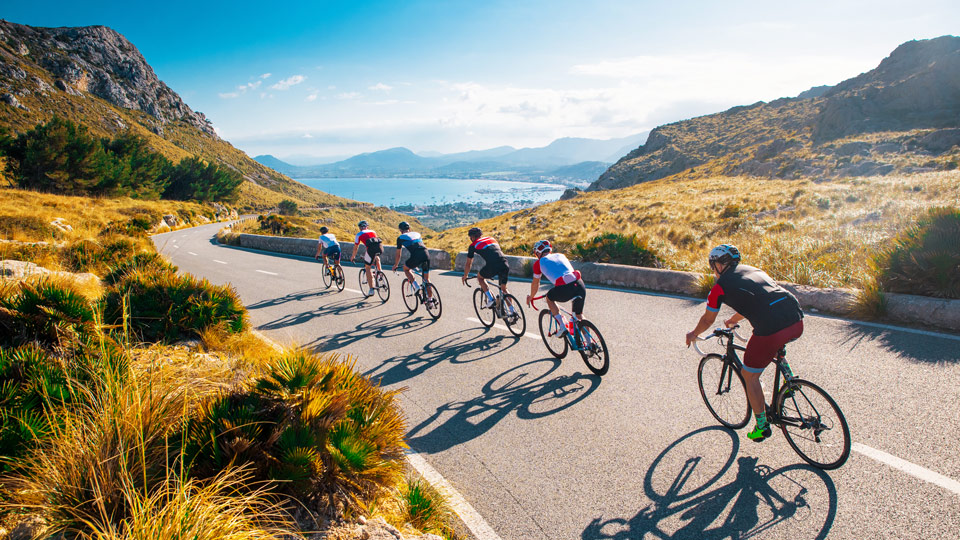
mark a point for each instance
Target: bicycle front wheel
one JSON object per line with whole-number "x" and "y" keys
{"x": 513, "y": 315}
{"x": 383, "y": 286}
{"x": 338, "y": 278}
{"x": 813, "y": 424}
{"x": 723, "y": 391}
{"x": 409, "y": 296}
{"x": 431, "y": 301}
{"x": 362, "y": 278}
{"x": 327, "y": 277}
{"x": 487, "y": 315}
{"x": 593, "y": 348}
{"x": 552, "y": 335}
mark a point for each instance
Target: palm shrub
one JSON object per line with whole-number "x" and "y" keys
{"x": 44, "y": 311}
{"x": 150, "y": 262}
{"x": 310, "y": 425}
{"x": 619, "y": 249}
{"x": 924, "y": 259}
{"x": 161, "y": 305}
{"x": 424, "y": 507}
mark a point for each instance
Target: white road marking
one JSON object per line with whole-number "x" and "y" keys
{"x": 221, "y": 262}
{"x": 478, "y": 526}
{"x": 176, "y": 246}
{"x": 192, "y": 253}
{"x": 268, "y": 273}
{"x": 912, "y": 469}
{"x": 502, "y": 327}
{"x": 352, "y": 290}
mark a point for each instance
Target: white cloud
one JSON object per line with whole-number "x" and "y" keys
{"x": 249, "y": 86}
{"x": 311, "y": 97}
{"x": 229, "y": 95}
{"x": 266, "y": 75}
{"x": 307, "y": 136}
{"x": 288, "y": 82}
{"x": 380, "y": 86}
{"x": 348, "y": 95}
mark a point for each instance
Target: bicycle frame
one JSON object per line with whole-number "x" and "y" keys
{"x": 566, "y": 316}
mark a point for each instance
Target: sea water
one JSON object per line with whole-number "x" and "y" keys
{"x": 397, "y": 191}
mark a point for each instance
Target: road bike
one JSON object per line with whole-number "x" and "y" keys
{"x": 809, "y": 418}
{"x": 333, "y": 273}
{"x": 506, "y": 306}
{"x": 579, "y": 335}
{"x": 414, "y": 295}
{"x": 383, "y": 286}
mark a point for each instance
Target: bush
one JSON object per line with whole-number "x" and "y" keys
{"x": 149, "y": 262}
{"x": 165, "y": 306}
{"x": 287, "y": 207}
{"x": 310, "y": 425}
{"x": 619, "y": 249}
{"x": 97, "y": 256}
{"x": 44, "y": 311}
{"x": 924, "y": 259}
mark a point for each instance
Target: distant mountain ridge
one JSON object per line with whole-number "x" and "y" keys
{"x": 575, "y": 158}
{"x": 903, "y": 116}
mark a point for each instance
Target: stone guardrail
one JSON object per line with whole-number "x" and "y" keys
{"x": 307, "y": 247}
{"x": 902, "y": 308}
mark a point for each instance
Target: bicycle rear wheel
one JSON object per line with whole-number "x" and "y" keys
{"x": 327, "y": 277}
{"x": 552, "y": 335}
{"x": 592, "y": 348}
{"x": 813, "y": 424}
{"x": 338, "y": 277}
{"x": 362, "y": 278}
{"x": 383, "y": 286}
{"x": 513, "y": 315}
{"x": 723, "y": 391}
{"x": 431, "y": 301}
{"x": 487, "y": 315}
{"x": 410, "y": 298}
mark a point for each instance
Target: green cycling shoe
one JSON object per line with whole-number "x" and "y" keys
{"x": 758, "y": 434}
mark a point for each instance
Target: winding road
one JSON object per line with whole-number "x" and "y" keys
{"x": 542, "y": 449}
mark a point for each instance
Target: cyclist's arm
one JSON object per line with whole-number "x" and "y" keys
{"x": 466, "y": 269}
{"x": 733, "y": 320}
{"x": 534, "y": 287}
{"x": 319, "y": 249}
{"x": 706, "y": 321}
{"x": 354, "y": 255}
{"x": 396, "y": 260}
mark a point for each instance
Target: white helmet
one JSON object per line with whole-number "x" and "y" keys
{"x": 541, "y": 247}
{"x": 727, "y": 254}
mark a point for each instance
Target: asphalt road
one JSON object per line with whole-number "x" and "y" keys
{"x": 543, "y": 449}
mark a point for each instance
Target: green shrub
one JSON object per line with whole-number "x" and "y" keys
{"x": 147, "y": 262}
{"x": 98, "y": 255}
{"x": 45, "y": 312}
{"x": 165, "y": 306}
{"x": 287, "y": 207}
{"x": 311, "y": 425}
{"x": 426, "y": 508}
{"x": 924, "y": 259}
{"x": 619, "y": 249}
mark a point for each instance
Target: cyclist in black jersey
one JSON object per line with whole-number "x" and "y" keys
{"x": 773, "y": 312}
{"x": 419, "y": 257}
{"x": 494, "y": 263}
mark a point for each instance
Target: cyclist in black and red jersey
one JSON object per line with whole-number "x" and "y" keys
{"x": 773, "y": 312}
{"x": 567, "y": 282}
{"x": 372, "y": 255}
{"x": 494, "y": 263}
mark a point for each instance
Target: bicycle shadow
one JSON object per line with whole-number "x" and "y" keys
{"x": 384, "y": 326}
{"x": 914, "y": 347}
{"x": 458, "y": 347}
{"x": 526, "y": 389}
{"x": 292, "y": 297}
{"x": 796, "y": 501}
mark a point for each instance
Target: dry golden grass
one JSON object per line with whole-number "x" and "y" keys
{"x": 802, "y": 231}
{"x": 342, "y": 222}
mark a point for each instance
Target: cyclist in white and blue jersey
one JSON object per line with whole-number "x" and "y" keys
{"x": 419, "y": 258}
{"x": 328, "y": 247}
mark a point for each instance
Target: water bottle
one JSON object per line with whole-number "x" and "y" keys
{"x": 570, "y": 326}
{"x": 416, "y": 287}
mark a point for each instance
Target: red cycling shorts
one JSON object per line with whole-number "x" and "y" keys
{"x": 761, "y": 350}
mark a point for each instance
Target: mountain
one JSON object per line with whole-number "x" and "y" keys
{"x": 94, "y": 76}
{"x": 276, "y": 164}
{"x": 902, "y": 116}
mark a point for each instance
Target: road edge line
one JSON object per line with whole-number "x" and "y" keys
{"x": 472, "y": 519}
{"x": 912, "y": 469}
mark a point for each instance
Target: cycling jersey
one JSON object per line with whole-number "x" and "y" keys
{"x": 329, "y": 240}
{"x": 410, "y": 240}
{"x": 366, "y": 236}
{"x": 556, "y": 268}
{"x": 751, "y": 293}
{"x": 489, "y": 250}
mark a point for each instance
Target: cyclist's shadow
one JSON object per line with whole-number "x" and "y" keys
{"x": 527, "y": 389}
{"x": 689, "y": 501}
{"x": 384, "y": 326}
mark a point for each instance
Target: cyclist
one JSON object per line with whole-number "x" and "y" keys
{"x": 773, "y": 312}
{"x": 372, "y": 255}
{"x": 328, "y": 247}
{"x": 495, "y": 264}
{"x": 419, "y": 258}
{"x": 567, "y": 283}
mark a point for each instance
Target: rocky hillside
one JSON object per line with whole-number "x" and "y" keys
{"x": 96, "y": 77}
{"x": 902, "y": 117}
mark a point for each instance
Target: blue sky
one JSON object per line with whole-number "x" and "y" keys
{"x": 338, "y": 78}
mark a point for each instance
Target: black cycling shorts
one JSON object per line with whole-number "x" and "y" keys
{"x": 502, "y": 270}
{"x": 564, "y": 293}
{"x": 333, "y": 252}
{"x": 418, "y": 258}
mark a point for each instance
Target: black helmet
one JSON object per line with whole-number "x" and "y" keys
{"x": 474, "y": 231}
{"x": 404, "y": 226}
{"x": 362, "y": 224}
{"x": 726, "y": 254}
{"x": 324, "y": 230}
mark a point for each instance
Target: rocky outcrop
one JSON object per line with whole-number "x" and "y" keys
{"x": 99, "y": 61}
